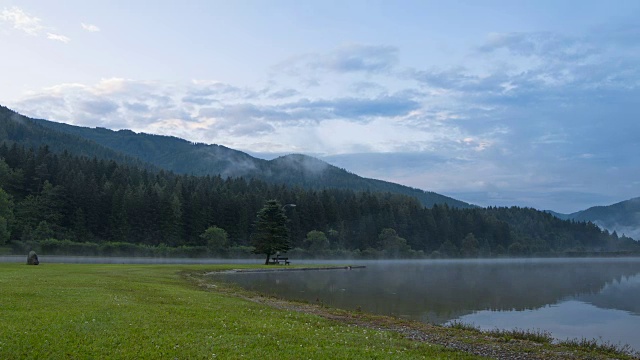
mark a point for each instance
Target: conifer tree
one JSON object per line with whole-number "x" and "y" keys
{"x": 271, "y": 234}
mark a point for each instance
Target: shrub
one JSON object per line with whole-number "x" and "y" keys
{"x": 463, "y": 326}
{"x": 539, "y": 336}
{"x": 594, "y": 345}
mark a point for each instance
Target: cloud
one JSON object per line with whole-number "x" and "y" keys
{"x": 58, "y": 37}
{"x": 542, "y": 44}
{"x": 136, "y": 107}
{"x": 354, "y": 58}
{"x": 90, "y": 27}
{"x": 21, "y": 20}
{"x": 284, "y": 93}
{"x": 245, "y": 112}
{"x": 199, "y": 100}
{"x": 152, "y": 107}
{"x": 359, "y": 58}
{"x": 536, "y": 69}
{"x": 100, "y": 107}
{"x": 29, "y": 24}
{"x": 352, "y": 108}
{"x": 207, "y": 88}
{"x": 314, "y": 111}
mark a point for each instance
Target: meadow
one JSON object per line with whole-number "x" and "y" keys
{"x": 94, "y": 311}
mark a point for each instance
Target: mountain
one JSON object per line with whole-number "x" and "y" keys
{"x": 559, "y": 215}
{"x": 312, "y": 173}
{"x": 185, "y": 157}
{"x": 622, "y": 217}
{"x": 67, "y": 189}
{"x": 21, "y": 130}
{"x": 67, "y": 204}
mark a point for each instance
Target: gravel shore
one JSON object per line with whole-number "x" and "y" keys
{"x": 468, "y": 341}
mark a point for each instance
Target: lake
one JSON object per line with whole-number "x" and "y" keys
{"x": 570, "y": 298}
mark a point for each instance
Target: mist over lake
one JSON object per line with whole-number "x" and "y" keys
{"x": 571, "y": 298}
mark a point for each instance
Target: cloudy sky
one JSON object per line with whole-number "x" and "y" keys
{"x": 528, "y": 103}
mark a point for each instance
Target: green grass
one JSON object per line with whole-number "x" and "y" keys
{"x": 536, "y": 335}
{"x": 585, "y": 348}
{"x": 79, "y": 311}
{"x": 463, "y": 326}
{"x": 597, "y": 346}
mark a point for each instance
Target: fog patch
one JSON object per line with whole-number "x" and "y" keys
{"x": 307, "y": 163}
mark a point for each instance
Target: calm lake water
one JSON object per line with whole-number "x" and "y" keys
{"x": 571, "y": 298}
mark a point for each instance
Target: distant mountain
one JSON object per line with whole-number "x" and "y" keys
{"x": 559, "y": 215}
{"x": 24, "y": 131}
{"x": 184, "y": 157}
{"x": 622, "y": 217}
{"x": 167, "y": 152}
{"x": 309, "y": 172}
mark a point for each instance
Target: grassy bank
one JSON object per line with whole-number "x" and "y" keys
{"x": 82, "y": 311}
{"x": 141, "y": 311}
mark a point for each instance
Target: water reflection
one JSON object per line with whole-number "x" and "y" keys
{"x": 566, "y": 320}
{"x": 621, "y": 295}
{"x": 505, "y": 294}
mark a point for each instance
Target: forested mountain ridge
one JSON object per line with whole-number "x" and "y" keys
{"x": 27, "y": 132}
{"x": 167, "y": 152}
{"x": 65, "y": 203}
{"x": 184, "y": 157}
{"x": 312, "y": 173}
{"x": 622, "y": 217}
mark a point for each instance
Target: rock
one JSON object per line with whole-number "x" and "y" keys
{"x": 32, "y": 259}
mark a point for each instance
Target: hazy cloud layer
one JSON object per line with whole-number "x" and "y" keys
{"x": 353, "y": 58}
{"x": 21, "y": 21}
{"x": 534, "y": 119}
{"x": 29, "y": 24}
{"x": 358, "y": 58}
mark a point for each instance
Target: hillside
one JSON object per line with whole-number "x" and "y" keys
{"x": 21, "y": 130}
{"x": 184, "y": 157}
{"x": 622, "y": 217}
{"x": 62, "y": 203}
{"x": 312, "y": 173}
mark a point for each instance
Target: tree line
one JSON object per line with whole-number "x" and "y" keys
{"x": 55, "y": 201}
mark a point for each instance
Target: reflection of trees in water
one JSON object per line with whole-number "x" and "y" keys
{"x": 437, "y": 292}
{"x": 621, "y": 294}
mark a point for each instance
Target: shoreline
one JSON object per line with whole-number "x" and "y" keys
{"x": 492, "y": 344}
{"x": 288, "y": 269}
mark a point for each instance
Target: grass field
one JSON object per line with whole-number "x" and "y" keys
{"x": 93, "y": 311}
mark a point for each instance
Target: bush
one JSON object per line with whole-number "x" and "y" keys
{"x": 518, "y": 249}
{"x": 371, "y": 253}
{"x": 119, "y": 249}
{"x": 340, "y": 254}
{"x": 539, "y": 336}
{"x": 67, "y": 247}
{"x": 241, "y": 252}
{"x": 22, "y": 247}
{"x": 463, "y": 326}
{"x": 595, "y": 345}
{"x": 189, "y": 251}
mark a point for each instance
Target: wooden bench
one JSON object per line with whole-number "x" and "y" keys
{"x": 279, "y": 260}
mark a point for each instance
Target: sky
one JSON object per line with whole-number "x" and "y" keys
{"x": 497, "y": 103}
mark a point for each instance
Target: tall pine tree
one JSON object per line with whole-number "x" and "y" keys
{"x": 271, "y": 234}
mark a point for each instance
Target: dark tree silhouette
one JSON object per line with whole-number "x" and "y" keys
{"x": 271, "y": 234}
